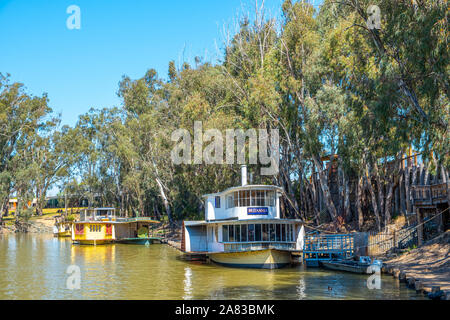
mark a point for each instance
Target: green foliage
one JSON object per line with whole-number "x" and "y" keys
{"x": 327, "y": 82}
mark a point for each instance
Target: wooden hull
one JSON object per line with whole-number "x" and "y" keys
{"x": 93, "y": 242}
{"x": 339, "y": 266}
{"x": 138, "y": 241}
{"x": 63, "y": 234}
{"x": 261, "y": 259}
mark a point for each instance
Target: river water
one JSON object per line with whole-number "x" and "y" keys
{"x": 35, "y": 266}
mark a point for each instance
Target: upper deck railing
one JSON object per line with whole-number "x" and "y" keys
{"x": 113, "y": 218}
{"x": 327, "y": 243}
{"x": 324, "y": 247}
{"x": 430, "y": 195}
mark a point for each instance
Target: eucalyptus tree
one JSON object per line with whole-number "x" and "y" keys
{"x": 96, "y": 163}
{"x": 54, "y": 155}
{"x": 21, "y": 118}
{"x": 411, "y": 51}
{"x": 146, "y": 128}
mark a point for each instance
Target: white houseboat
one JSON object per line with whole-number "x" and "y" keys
{"x": 243, "y": 228}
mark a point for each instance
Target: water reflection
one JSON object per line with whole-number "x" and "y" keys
{"x": 35, "y": 268}
{"x": 187, "y": 283}
{"x": 301, "y": 289}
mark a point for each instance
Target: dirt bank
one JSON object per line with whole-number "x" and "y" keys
{"x": 429, "y": 265}
{"x": 171, "y": 236}
{"x": 42, "y": 224}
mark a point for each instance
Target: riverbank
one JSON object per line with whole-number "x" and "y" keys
{"x": 42, "y": 225}
{"x": 171, "y": 236}
{"x": 425, "y": 269}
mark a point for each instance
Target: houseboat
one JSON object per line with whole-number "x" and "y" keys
{"x": 102, "y": 226}
{"x": 243, "y": 228}
{"x": 62, "y": 229}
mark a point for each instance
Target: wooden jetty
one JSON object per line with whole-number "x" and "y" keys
{"x": 320, "y": 247}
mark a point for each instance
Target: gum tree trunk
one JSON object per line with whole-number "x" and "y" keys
{"x": 347, "y": 210}
{"x": 407, "y": 188}
{"x": 380, "y": 187}
{"x": 374, "y": 199}
{"x": 165, "y": 201}
{"x": 325, "y": 189}
{"x": 359, "y": 194}
{"x": 387, "y": 211}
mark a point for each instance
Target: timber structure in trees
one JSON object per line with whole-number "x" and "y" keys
{"x": 399, "y": 187}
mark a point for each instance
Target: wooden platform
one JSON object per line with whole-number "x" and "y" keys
{"x": 430, "y": 196}
{"x": 194, "y": 256}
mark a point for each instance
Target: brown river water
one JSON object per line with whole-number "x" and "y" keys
{"x": 35, "y": 267}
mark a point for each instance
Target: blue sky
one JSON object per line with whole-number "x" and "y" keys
{"x": 80, "y": 69}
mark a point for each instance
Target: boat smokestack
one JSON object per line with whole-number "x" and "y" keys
{"x": 244, "y": 175}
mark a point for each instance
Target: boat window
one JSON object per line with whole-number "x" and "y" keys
{"x": 258, "y": 232}
{"x": 251, "y": 232}
{"x": 289, "y": 233}
{"x": 231, "y": 237}
{"x": 236, "y": 199}
{"x": 272, "y": 232}
{"x": 217, "y": 203}
{"x": 244, "y": 233}
{"x": 265, "y": 232}
{"x": 278, "y": 232}
{"x": 230, "y": 201}
{"x": 251, "y": 198}
{"x": 225, "y": 233}
{"x": 237, "y": 233}
{"x": 79, "y": 229}
{"x": 244, "y": 198}
{"x": 261, "y": 198}
{"x": 270, "y": 198}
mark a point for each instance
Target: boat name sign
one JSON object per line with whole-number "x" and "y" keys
{"x": 258, "y": 211}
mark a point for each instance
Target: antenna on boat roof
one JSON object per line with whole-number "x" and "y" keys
{"x": 243, "y": 175}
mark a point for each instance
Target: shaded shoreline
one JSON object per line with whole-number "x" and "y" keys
{"x": 425, "y": 269}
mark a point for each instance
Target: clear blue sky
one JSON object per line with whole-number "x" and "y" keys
{"x": 80, "y": 69}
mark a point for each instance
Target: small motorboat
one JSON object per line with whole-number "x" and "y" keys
{"x": 365, "y": 265}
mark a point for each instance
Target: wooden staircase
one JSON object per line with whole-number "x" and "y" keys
{"x": 429, "y": 201}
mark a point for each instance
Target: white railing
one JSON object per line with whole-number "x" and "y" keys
{"x": 253, "y": 246}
